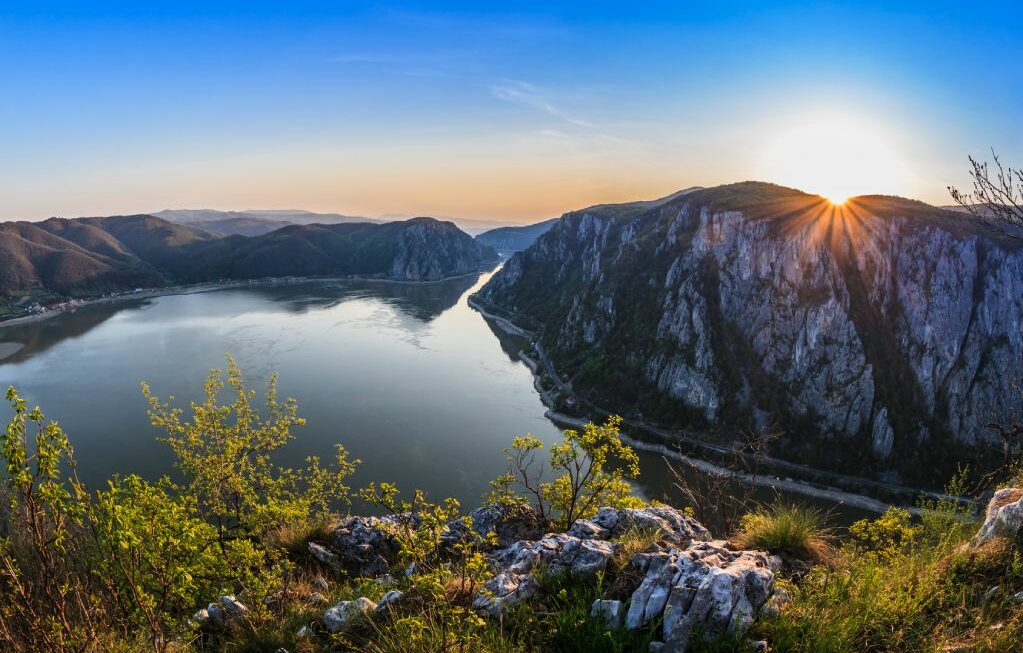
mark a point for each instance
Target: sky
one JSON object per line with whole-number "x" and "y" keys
{"x": 476, "y": 110}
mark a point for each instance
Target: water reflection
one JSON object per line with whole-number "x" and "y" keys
{"x": 408, "y": 377}
{"x": 422, "y": 301}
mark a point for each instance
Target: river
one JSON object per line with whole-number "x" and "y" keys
{"x": 414, "y": 382}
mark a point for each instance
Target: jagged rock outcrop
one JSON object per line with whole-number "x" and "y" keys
{"x": 684, "y": 583}
{"x": 362, "y": 546}
{"x": 668, "y": 523}
{"x": 689, "y": 584}
{"x": 1003, "y": 517}
{"x": 881, "y": 337}
{"x": 508, "y": 523}
{"x": 429, "y": 249}
{"x": 704, "y": 588}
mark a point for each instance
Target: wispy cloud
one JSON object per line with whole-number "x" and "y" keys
{"x": 526, "y": 94}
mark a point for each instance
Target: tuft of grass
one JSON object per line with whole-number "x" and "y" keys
{"x": 786, "y": 529}
{"x": 565, "y": 624}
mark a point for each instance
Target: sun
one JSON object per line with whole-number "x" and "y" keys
{"x": 836, "y": 157}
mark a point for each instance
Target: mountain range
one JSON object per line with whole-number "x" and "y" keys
{"x": 881, "y": 336}
{"x": 253, "y": 222}
{"x": 89, "y": 256}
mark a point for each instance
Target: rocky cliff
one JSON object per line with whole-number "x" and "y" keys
{"x": 881, "y": 336}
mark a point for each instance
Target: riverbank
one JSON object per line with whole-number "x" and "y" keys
{"x": 670, "y": 445}
{"x": 188, "y": 289}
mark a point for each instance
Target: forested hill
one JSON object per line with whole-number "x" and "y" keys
{"x": 87, "y": 256}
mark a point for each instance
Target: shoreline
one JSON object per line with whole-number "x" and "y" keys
{"x": 211, "y": 286}
{"x": 806, "y": 488}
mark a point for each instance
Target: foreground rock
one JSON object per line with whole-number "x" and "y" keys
{"x": 508, "y": 523}
{"x": 219, "y": 614}
{"x": 558, "y": 552}
{"x": 346, "y": 613}
{"x": 361, "y": 546}
{"x": 704, "y": 587}
{"x": 1004, "y": 516}
{"x": 689, "y": 584}
{"x": 668, "y": 523}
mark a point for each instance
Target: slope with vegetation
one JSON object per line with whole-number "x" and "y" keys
{"x": 561, "y": 557}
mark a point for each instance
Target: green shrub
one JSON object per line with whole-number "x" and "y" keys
{"x": 592, "y": 468}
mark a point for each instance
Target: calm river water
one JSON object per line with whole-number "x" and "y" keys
{"x": 407, "y": 376}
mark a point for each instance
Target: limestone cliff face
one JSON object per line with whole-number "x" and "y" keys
{"x": 886, "y": 332}
{"x": 427, "y": 249}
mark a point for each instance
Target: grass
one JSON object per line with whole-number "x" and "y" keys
{"x": 927, "y": 593}
{"x": 788, "y": 530}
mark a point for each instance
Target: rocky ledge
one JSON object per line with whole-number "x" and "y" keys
{"x": 684, "y": 582}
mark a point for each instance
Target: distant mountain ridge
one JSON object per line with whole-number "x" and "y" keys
{"x": 880, "y": 337}
{"x": 253, "y": 222}
{"x": 88, "y": 256}
{"x": 513, "y": 239}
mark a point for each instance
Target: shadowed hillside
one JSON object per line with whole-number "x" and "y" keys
{"x": 90, "y": 256}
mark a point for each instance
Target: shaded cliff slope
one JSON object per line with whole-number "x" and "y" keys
{"x": 93, "y": 255}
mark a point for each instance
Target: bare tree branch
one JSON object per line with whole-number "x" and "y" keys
{"x": 997, "y": 196}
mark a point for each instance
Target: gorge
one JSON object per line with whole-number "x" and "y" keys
{"x": 880, "y": 337}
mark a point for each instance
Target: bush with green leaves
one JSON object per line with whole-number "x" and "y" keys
{"x": 224, "y": 451}
{"x": 590, "y": 469}
{"x": 84, "y": 571}
{"x": 49, "y": 595}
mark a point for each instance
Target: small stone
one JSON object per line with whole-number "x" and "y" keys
{"x": 611, "y": 611}
{"x": 345, "y": 613}
{"x": 232, "y": 606}
{"x": 324, "y": 556}
{"x": 388, "y": 600}
{"x": 758, "y": 646}
{"x": 201, "y": 616}
{"x": 216, "y": 615}
{"x": 504, "y": 591}
{"x": 303, "y": 632}
{"x": 321, "y": 584}
{"x": 1017, "y": 598}
{"x": 990, "y": 594}
{"x": 585, "y": 529}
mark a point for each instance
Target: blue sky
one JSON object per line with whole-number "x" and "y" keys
{"x": 474, "y": 111}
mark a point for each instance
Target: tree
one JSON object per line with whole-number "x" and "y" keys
{"x": 593, "y": 468}
{"x": 225, "y": 452}
{"x": 997, "y": 196}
